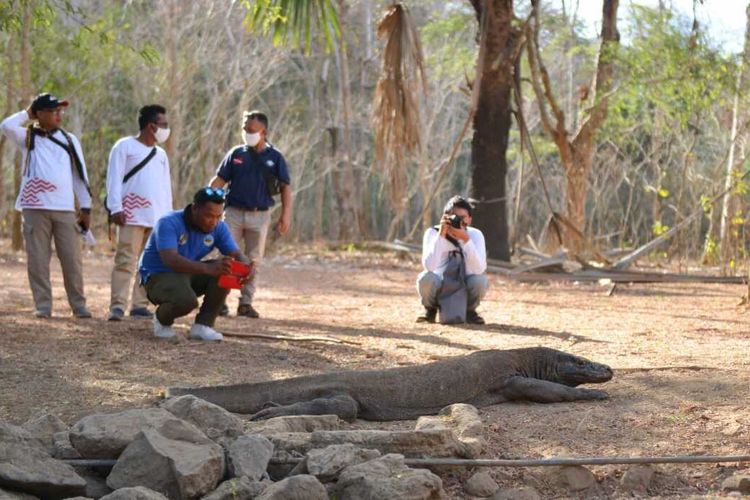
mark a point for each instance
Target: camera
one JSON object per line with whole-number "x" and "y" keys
{"x": 456, "y": 220}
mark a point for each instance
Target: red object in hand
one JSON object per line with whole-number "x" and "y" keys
{"x": 237, "y": 268}
{"x": 234, "y": 280}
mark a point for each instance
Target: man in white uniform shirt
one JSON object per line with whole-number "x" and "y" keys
{"x": 139, "y": 193}
{"x": 437, "y": 244}
{"x": 54, "y": 175}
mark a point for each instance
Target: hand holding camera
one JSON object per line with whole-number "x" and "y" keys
{"x": 453, "y": 225}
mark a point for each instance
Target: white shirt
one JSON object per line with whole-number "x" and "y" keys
{"x": 147, "y": 195}
{"x": 50, "y": 179}
{"x": 435, "y": 250}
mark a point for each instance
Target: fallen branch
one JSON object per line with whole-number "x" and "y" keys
{"x": 292, "y": 338}
{"x": 523, "y": 462}
{"x": 596, "y": 275}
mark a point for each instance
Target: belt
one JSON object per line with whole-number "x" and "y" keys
{"x": 250, "y": 209}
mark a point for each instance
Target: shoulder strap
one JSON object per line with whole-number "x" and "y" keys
{"x": 138, "y": 167}
{"x": 75, "y": 160}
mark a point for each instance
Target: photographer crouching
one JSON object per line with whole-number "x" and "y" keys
{"x": 455, "y": 260}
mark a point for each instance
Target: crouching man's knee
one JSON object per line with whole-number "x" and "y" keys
{"x": 428, "y": 286}
{"x": 477, "y": 285}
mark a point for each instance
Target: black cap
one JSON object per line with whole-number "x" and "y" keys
{"x": 47, "y": 101}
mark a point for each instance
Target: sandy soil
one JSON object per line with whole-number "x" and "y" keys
{"x": 680, "y": 354}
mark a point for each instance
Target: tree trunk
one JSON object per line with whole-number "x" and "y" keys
{"x": 347, "y": 188}
{"x": 9, "y": 91}
{"x": 727, "y": 239}
{"x": 23, "y": 101}
{"x": 492, "y": 121}
{"x": 576, "y": 155}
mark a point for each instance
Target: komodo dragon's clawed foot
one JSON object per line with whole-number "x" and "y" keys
{"x": 594, "y": 394}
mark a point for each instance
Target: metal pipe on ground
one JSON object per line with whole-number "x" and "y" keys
{"x": 545, "y": 462}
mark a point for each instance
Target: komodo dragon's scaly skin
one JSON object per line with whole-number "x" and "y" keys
{"x": 483, "y": 378}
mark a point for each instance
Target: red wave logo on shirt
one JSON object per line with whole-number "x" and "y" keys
{"x": 132, "y": 202}
{"x": 237, "y": 161}
{"x": 32, "y": 189}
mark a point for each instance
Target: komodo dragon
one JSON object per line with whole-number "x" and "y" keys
{"x": 483, "y": 378}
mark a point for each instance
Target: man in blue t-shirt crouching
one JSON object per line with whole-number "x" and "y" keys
{"x": 173, "y": 273}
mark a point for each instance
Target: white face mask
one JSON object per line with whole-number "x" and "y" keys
{"x": 161, "y": 135}
{"x": 252, "y": 140}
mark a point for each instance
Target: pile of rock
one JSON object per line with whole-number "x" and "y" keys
{"x": 189, "y": 449}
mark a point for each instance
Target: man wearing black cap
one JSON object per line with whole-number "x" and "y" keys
{"x": 252, "y": 171}
{"x": 54, "y": 176}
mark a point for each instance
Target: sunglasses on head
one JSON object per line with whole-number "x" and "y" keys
{"x": 214, "y": 194}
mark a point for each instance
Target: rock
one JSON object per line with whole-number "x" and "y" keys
{"x": 327, "y": 463}
{"x": 571, "y": 477}
{"x": 25, "y": 465}
{"x": 107, "y": 435}
{"x": 14, "y": 495}
{"x": 637, "y": 479}
{"x": 43, "y": 427}
{"x": 297, "y": 423}
{"x": 431, "y": 443}
{"x": 738, "y": 482}
{"x": 136, "y": 493}
{"x": 481, "y": 485}
{"x": 525, "y": 493}
{"x": 62, "y": 448}
{"x": 213, "y": 420}
{"x": 387, "y": 477}
{"x": 96, "y": 484}
{"x": 240, "y": 488}
{"x": 465, "y": 424}
{"x": 177, "y": 460}
{"x": 249, "y": 456}
{"x": 302, "y": 487}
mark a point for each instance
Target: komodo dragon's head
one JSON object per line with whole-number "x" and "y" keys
{"x": 573, "y": 370}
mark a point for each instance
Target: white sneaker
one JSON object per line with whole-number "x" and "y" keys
{"x": 203, "y": 332}
{"x": 162, "y": 331}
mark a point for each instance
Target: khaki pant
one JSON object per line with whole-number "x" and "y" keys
{"x": 249, "y": 229}
{"x": 176, "y": 294}
{"x": 39, "y": 228}
{"x": 130, "y": 243}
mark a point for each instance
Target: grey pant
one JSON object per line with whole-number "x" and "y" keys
{"x": 429, "y": 284}
{"x": 251, "y": 230}
{"x": 177, "y": 294}
{"x": 130, "y": 243}
{"x": 39, "y": 228}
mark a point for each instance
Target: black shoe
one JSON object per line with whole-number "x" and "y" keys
{"x": 247, "y": 311}
{"x": 141, "y": 312}
{"x": 474, "y": 318}
{"x": 81, "y": 312}
{"x": 224, "y": 311}
{"x": 116, "y": 314}
{"x": 429, "y": 315}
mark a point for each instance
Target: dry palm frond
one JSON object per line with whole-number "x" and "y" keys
{"x": 396, "y": 117}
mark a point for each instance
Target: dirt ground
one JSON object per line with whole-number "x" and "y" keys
{"x": 680, "y": 355}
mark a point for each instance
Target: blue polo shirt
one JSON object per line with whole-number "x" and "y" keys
{"x": 242, "y": 170}
{"x": 175, "y": 231}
